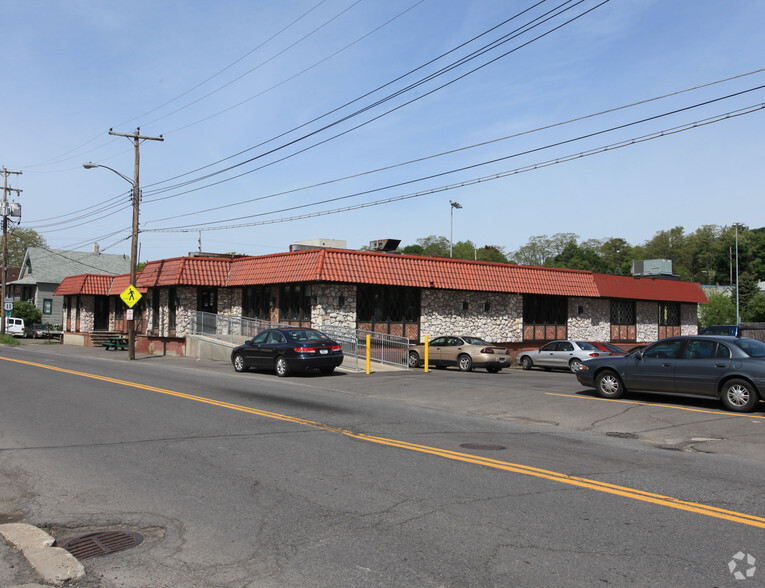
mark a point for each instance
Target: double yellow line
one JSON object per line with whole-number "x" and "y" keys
{"x": 632, "y": 493}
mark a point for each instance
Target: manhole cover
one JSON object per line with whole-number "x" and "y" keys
{"x": 100, "y": 543}
{"x": 483, "y": 446}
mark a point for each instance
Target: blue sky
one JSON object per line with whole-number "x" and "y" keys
{"x": 232, "y": 81}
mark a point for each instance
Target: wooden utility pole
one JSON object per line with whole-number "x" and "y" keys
{"x": 6, "y": 214}
{"x": 137, "y": 138}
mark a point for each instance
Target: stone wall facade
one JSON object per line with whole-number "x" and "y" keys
{"x": 589, "y": 319}
{"x": 335, "y": 304}
{"x": 496, "y": 317}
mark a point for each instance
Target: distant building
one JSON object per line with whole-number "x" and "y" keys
{"x": 44, "y": 269}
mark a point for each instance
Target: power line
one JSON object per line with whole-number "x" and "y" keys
{"x": 564, "y": 159}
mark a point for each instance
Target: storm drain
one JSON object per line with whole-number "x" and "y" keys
{"x": 483, "y": 446}
{"x": 100, "y": 543}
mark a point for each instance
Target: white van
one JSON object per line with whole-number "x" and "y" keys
{"x": 14, "y": 326}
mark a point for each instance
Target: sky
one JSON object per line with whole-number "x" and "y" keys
{"x": 360, "y": 120}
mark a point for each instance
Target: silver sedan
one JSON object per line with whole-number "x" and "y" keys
{"x": 560, "y": 354}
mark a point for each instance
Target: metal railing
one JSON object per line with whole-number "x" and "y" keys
{"x": 383, "y": 348}
{"x": 386, "y": 349}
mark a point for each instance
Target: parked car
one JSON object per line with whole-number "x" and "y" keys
{"x": 729, "y": 368}
{"x": 39, "y": 331}
{"x": 14, "y": 326}
{"x": 288, "y": 350}
{"x": 727, "y": 330}
{"x": 462, "y": 351}
{"x": 560, "y": 354}
{"x": 609, "y": 348}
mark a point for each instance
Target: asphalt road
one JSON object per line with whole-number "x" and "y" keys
{"x": 388, "y": 479}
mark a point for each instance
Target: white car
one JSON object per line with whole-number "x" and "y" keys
{"x": 560, "y": 354}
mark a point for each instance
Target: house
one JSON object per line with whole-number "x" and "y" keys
{"x": 44, "y": 269}
{"x": 404, "y": 295}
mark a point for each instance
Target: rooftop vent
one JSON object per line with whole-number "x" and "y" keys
{"x": 386, "y": 245}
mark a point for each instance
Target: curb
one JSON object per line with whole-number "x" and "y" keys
{"x": 54, "y": 564}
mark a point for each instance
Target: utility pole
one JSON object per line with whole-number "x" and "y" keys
{"x": 6, "y": 214}
{"x": 137, "y": 138}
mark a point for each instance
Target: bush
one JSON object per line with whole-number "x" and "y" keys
{"x": 27, "y": 311}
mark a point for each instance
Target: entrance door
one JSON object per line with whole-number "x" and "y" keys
{"x": 101, "y": 313}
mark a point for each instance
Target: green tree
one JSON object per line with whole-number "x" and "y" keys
{"x": 413, "y": 250}
{"x": 18, "y": 241}
{"x": 755, "y": 310}
{"x": 747, "y": 290}
{"x": 720, "y": 310}
{"x": 493, "y": 253}
{"x": 27, "y": 311}
{"x": 434, "y": 246}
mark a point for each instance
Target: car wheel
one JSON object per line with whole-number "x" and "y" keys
{"x": 239, "y": 365}
{"x": 739, "y": 396}
{"x": 493, "y": 370}
{"x": 575, "y": 364}
{"x": 414, "y": 359}
{"x": 608, "y": 385}
{"x": 281, "y": 367}
{"x": 526, "y": 362}
{"x": 464, "y": 363}
{"x": 327, "y": 370}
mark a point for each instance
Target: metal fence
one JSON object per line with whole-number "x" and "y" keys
{"x": 383, "y": 348}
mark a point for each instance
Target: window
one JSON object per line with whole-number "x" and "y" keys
{"x": 388, "y": 304}
{"x": 622, "y": 312}
{"x": 664, "y": 349}
{"x": 669, "y": 314}
{"x": 544, "y": 310}
{"x": 295, "y": 302}
{"x": 207, "y": 300}
{"x": 256, "y": 302}
{"x": 47, "y": 306}
{"x": 172, "y": 306}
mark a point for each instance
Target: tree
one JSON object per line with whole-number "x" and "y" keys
{"x": 18, "y": 241}
{"x": 747, "y": 290}
{"x": 493, "y": 253}
{"x": 720, "y": 310}
{"x": 755, "y": 310}
{"x": 434, "y": 246}
{"x": 27, "y": 311}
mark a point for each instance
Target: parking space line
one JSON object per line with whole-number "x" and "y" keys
{"x": 591, "y": 484}
{"x": 717, "y": 412}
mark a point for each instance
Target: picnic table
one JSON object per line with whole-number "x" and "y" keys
{"x": 115, "y": 343}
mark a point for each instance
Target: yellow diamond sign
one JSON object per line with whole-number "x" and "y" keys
{"x": 130, "y": 296}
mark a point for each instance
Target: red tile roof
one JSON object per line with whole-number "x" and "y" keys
{"x": 94, "y": 284}
{"x": 649, "y": 289}
{"x": 365, "y": 267}
{"x": 185, "y": 271}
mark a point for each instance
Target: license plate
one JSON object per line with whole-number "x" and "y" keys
{"x": 501, "y": 360}
{"x": 324, "y": 351}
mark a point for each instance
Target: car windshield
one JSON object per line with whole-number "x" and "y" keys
{"x": 751, "y": 347}
{"x": 614, "y": 348}
{"x": 475, "y": 341}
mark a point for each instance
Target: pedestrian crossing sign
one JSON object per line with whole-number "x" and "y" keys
{"x": 130, "y": 296}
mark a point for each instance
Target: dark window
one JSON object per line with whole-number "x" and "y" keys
{"x": 669, "y": 314}
{"x": 393, "y": 304}
{"x": 544, "y": 310}
{"x": 155, "y": 309}
{"x": 256, "y": 302}
{"x": 172, "y": 306}
{"x": 664, "y": 349}
{"x": 207, "y": 300}
{"x": 622, "y": 312}
{"x": 295, "y": 302}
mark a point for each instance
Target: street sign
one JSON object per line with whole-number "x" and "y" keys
{"x": 8, "y": 306}
{"x": 130, "y": 296}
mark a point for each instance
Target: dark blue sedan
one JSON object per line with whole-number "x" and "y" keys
{"x": 729, "y": 368}
{"x": 288, "y": 350}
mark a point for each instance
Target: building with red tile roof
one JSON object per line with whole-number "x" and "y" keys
{"x": 405, "y": 295}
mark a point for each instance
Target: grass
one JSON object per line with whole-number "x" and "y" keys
{"x": 9, "y": 340}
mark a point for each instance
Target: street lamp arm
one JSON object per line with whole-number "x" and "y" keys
{"x": 91, "y": 165}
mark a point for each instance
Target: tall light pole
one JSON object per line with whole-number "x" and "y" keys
{"x": 137, "y": 138}
{"x": 738, "y": 316}
{"x": 451, "y": 233}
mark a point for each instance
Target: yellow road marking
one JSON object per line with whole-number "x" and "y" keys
{"x": 716, "y": 412}
{"x": 635, "y": 494}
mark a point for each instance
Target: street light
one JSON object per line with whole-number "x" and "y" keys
{"x": 133, "y": 245}
{"x": 451, "y": 234}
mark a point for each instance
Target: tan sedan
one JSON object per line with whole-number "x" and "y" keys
{"x": 461, "y": 351}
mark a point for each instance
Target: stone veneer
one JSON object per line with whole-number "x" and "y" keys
{"x": 593, "y": 323}
{"x": 327, "y": 310}
{"x": 442, "y": 313}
